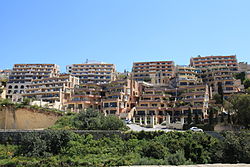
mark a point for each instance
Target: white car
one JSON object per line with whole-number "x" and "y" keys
{"x": 128, "y": 121}
{"x": 195, "y": 129}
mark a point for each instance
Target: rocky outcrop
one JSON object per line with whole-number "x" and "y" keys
{"x": 26, "y": 118}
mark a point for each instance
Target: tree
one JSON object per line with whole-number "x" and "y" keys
{"x": 211, "y": 116}
{"x": 189, "y": 118}
{"x": 147, "y": 79}
{"x": 222, "y": 118}
{"x": 248, "y": 90}
{"x": 90, "y": 120}
{"x": 240, "y": 104}
{"x": 220, "y": 91}
{"x": 155, "y": 150}
{"x": 196, "y": 118}
{"x": 240, "y": 76}
{"x": 246, "y": 83}
{"x": 217, "y": 98}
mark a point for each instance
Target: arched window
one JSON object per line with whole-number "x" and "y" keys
{"x": 16, "y": 87}
{"x": 10, "y": 87}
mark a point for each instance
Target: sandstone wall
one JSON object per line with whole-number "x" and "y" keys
{"x": 26, "y": 118}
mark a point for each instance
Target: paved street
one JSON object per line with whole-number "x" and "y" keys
{"x": 135, "y": 127}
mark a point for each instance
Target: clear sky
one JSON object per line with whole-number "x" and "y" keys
{"x": 121, "y": 31}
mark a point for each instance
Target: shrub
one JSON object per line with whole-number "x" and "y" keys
{"x": 90, "y": 120}
{"x": 43, "y": 144}
{"x": 178, "y": 158}
{"x": 154, "y": 150}
{"x": 234, "y": 148}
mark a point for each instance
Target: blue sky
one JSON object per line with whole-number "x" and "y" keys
{"x": 121, "y": 31}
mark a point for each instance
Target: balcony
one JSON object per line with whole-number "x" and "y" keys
{"x": 149, "y": 108}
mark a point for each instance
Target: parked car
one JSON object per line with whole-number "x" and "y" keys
{"x": 195, "y": 129}
{"x": 128, "y": 121}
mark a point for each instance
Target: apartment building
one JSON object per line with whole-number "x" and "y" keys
{"x": 156, "y": 72}
{"x": 52, "y": 90}
{"x": 153, "y": 101}
{"x": 93, "y": 72}
{"x": 87, "y": 95}
{"x": 216, "y": 70}
{"x": 244, "y": 67}
{"x": 2, "y": 89}
{"x": 22, "y": 75}
{"x": 4, "y": 74}
{"x": 194, "y": 99}
{"x": 120, "y": 97}
{"x": 248, "y": 74}
{"x": 186, "y": 76}
{"x": 162, "y": 101}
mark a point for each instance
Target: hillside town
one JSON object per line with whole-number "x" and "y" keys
{"x": 152, "y": 93}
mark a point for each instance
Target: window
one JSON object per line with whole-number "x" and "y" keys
{"x": 113, "y": 104}
{"x": 145, "y": 105}
{"x": 141, "y": 112}
{"x": 112, "y": 112}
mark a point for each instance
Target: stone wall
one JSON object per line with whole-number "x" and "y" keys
{"x": 15, "y": 136}
{"x": 26, "y": 118}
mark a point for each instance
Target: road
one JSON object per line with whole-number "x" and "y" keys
{"x": 135, "y": 127}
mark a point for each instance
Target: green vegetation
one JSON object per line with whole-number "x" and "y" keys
{"x": 90, "y": 120}
{"x": 147, "y": 79}
{"x": 246, "y": 83}
{"x": 240, "y": 76}
{"x": 25, "y": 104}
{"x": 218, "y": 98}
{"x": 239, "y": 105}
{"x": 64, "y": 148}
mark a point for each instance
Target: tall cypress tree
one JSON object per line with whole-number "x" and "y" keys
{"x": 189, "y": 118}
{"x": 211, "y": 116}
{"x": 196, "y": 118}
{"x": 220, "y": 91}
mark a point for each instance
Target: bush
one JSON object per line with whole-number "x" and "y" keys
{"x": 154, "y": 150}
{"x": 90, "y": 120}
{"x": 178, "y": 158}
{"x": 235, "y": 148}
{"x": 43, "y": 144}
{"x": 60, "y": 148}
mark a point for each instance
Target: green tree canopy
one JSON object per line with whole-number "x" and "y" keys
{"x": 90, "y": 120}
{"x": 240, "y": 104}
{"x": 246, "y": 83}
